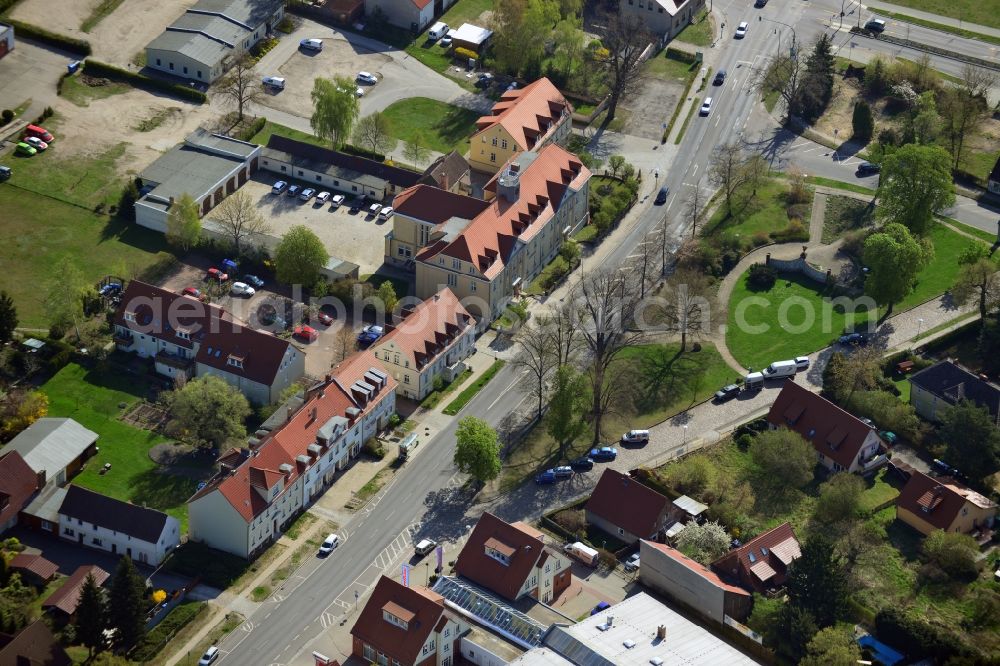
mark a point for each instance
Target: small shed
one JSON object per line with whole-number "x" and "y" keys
{"x": 689, "y": 508}
{"x": 470, "y": 37}
{"x": 33, "y": 345}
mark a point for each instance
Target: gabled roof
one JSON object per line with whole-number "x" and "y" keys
{"x": 35, "y": 645}
{"x": 348, "y": 167}
{"x": 953, "y": 383}
{"x": 131, "y": 519}
{"x": 938, "y": 500}
{"x": 522, "y": 547}
{"x": 340, "y": 399}
{"x": 428, "y": 329}
{"x": 445, "y": 171}
{"x": 420, "y": 608}
{"x": 764, "y": 560}
{"x": 168, "y": 316}
{"x": 833, "y": 432}
{"x": 432, "y": 204}
{"x": 623, "y": 501}
{"x": 18, "y": 482}
{"x": 697, "y": 568}
{"x": 35, "y": 564}
{"x": 528, "y": 114}
{"x": 68, "y": 596}
{"x": 50, "y": 444}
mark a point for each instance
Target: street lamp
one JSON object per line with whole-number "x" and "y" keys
{"x": 920, "y": 325}
{"x": 685, "y": 434}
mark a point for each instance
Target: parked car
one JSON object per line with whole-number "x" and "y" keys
{"x": 307, "y": 194}
{"x": 437, "y": 31}
{"x": 563, "y": 472}
{"x": 875, "y": 25}
{"x": 760, "y": 3}
{"x": 192, "y": 292}
{"x": 216, "y": 274}
{"x": 25, "y": 149}
{"x": 720, "y": 77}
{"x": 868, "y": 169}
{"x": 322, "y": 198}
{"x": 211, "y": 654}
{"x": 582, "y": 464}
{"x": 386, "y": 213}
{"x": 941, "y": 467}
{"x": 279, "y": 187}
{"x": 5, "y": 172}
{"x": 324, "y": 318}
{"x": 356, "y": 206}
{"x": 275, "y": 82}
{"x": 604, "y": 454}
{"x": 293, "y": 190}
{"x": 336, "y": 201}
{"x": 359, "y": 92}
{"x": 369, "y": 334}
{"x": 110, "y": 289}
{"x": 307, "y": 333}
{"x": 485, "y": 80}
{"x": 242, "y": 289}
{"x": 632, "y": 563}
{"x": 312, "y": 44}
{"x": 35, "y": 142}
{"x": 661, "y": 196}
{"x": 254, "y": 280}
{"x": 367, "y": 77}
{"x": 546, "y": 477}
{"x": 727, "y": 393}
{"x": 706, "y": 107}
{"x": 601, "y": 606}
{"x": 741, "y": 30}
{"x": 802, "y": 362}
{"x": 636, "y": 437}
{"x": 374, "y": 209}
{"x": 424, "y": 546}
{"x": 857, "y": 339}
{"x": 40, "y": 132}
{"x": 329, "y": 544}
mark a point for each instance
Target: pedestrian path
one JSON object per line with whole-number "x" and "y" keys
{"x": 935, "y": 18}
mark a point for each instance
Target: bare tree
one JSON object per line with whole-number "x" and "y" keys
{"x": 965, "y": 107}
{"x": 537, "y": 357}
{"x": 662, "y": 239}
{"x": 690, "y": 302}
{"x": 415, "y": 149}
{"x": 726, "y": 171}
{"x": 626, "y": 40}
{"x": 343, "y": 344}
{"x": 643, "y": 261}
{"x": 693, "y": 204}
{"x": 755, "y": 170}
{"x": 240, "y": 87}
{"x": 607, "y": 300}
{"x": 373, "y": 131}
{"x": 783, "y": 76}
{"x": 239, "y": 218}
{"x": 563, "y": 327}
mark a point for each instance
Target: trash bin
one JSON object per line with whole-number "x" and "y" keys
{"x": 73, "y": 66}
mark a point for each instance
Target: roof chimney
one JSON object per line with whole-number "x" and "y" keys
{"x": 661, "y": 632}
{"x": 444, "y": 180}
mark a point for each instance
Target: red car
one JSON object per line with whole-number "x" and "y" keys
{"x": 216, "y": 274}
{"x": 307, "y": 333}
{"x": 324, "y": 319}
{"x": 191, "y": 291}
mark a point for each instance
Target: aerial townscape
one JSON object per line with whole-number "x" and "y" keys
{"x": 499, "y": 332}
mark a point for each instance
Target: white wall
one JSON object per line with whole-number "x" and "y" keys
{"x": 102, "y": 538}
{"x": 320, "y": 180}
{"x": 212, "y": 520}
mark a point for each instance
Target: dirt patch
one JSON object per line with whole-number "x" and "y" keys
{"x": 658, "y": 94}
{"x": 170, "y": 454}
{"x": 147, "y": 417}
{"x": 840, "y": 111}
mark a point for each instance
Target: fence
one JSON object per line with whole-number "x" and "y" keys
{"x": 164, "y": 609}
{"x": 990, "y": 64}
{"x": 800, "y": 265}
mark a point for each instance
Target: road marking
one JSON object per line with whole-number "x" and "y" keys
{"x": 717, "y": 119}
{"x": 503, "y": 393}
{"x": 695, "y": 172}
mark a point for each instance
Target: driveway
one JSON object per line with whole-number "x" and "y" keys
{"x": 31, "y": 72}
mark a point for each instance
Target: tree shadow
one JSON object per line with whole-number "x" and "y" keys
{"x": 456, "y": 125}
{"x": 159, "y": 489}
{"x": 664, "y": 375}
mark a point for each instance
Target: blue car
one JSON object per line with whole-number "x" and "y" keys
{"x": 293, "y": 190}
{"x": 254, "y": 281}
{"x": 603, "y": 454}
{"x": 546, "y": 477}
{"x": 110, "y": 289}
{"x": 369, "y": 334}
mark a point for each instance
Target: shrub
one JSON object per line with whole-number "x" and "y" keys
{"x": 100, "y": 69}
{"x": 744, "y": 441}
{"x": 795, "y": 231}
{"x": 7, "y": 115}
{"x": 361, "y": 152}
{"x": 761, "y": 277}
{"x": 854, "y": 242}
{"x": 251, "y": 130}
{"x": 571, "y": 520}
{"x": 374, "y": 448}
{"x": 917, "y": 637}
{"x": 461, "y": 52}
{"x": 77, "y": 46}
{"x": 607, "y": 558}
{"x": 154, "y": 641}
{"x": 760, "y": 238}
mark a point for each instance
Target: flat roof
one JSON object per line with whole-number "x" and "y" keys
{"x": 187, "y": 170}
{"x": 490, "y": 641}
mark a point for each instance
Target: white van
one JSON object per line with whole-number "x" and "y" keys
{"x": 585, "y": 554}
{"x": 780, "y": 369}
{"x": 274, "y": 82}
{"x": 636, "y": 437}
{"x": 312, "y": 44}
{"x": 753, "y": 381}
{"x": 437, "y": 31}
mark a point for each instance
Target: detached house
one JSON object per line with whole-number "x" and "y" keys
{"x": 407, "y": 626}
{"x": 293, "y": 459}
{"x": 431, "y": 341}
{"x": 523, "y": 119}
{"x": 188, "y": 338}
{"x": 513, "y": 561}
{"x": 944, "y": 384}
{"x": 842, "y": 441}
{"x": 626, "y": 509}
{"x": 762, "y": 563}
{"x": 664, "y": 18}
{"x": 63, "y": 602}
{"x": 927, "y": 503}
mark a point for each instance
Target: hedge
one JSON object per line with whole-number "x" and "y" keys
{"x": 71, "y": 44}
{"x": 251, "y": 130}
{"x": 97, "y": 68}
{"x": 153, "y": 642}
{"x": 362, "y": 152}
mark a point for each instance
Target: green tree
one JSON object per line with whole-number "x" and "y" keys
{"x": 521, "y": 29}
{"x": 208, "y": 412}
{"x": 888, "y": 410}
{"x": 839, "y": 498}
{"x": 91, "y": 616}
{"x": 792, "y": 633}
{"x": 977, "y": 281}
{"x": 915, "y": 185}
{"x": 335, "y": 109}
{"x": 972, "y": 438}
{"x": 570, "y": 251}
{"x": 299, "y": 256}
{"x": 8, "y": 317}
{"x": 387, "y": 294}
{"x": 926, "y": 123}
{"x": 567, "y": 405}
{"x": 477, "y": 451}
{"x": 862, "y": 122}
{"x": 845, "y": 374}
{"x": 816, "y": 582}
{"x": 127, "y": 604}
{"x": 783, "y": 459}
{"x": 184, "y": 223}
{"x": 833, "y": 646}
{"x": 615, "y": 164}
{"x": 704, "y": 543}
{"x": 894, "y": 258}
{"x": 817, "y": 83}
{"x": 64, "y": 294}
{"x": 374, "y": 131}
{"x": 415, "y": 149}
{"x": 953, "y": 553}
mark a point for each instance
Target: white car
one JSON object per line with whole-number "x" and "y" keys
{"x": 329, "y": 544}
{"x": 242, "y": 289}
{"x": 802, "y": 362}
{"x": 336, "y": 201}
{"x": 322, "y": 197}
{"x": 307, "y": 194}
{"x": 446, "y": 40}
{"x": 374, "y": 209}
{"x": 211, "y": 654}
{"x": 367, "y": 77}
{"x": 632, "y": 563}
{"x": 706, "y": 107}
{"x": 386, "y": 213}
{"x": 741, "y": 30}
{"x": 36, "y": 143}
{"x": 312, "y": 44}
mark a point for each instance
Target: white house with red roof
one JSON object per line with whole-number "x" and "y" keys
{"x": 260, "y": 489}
{"x": 186, "y": 337}
{"x": 663, "y": 18}
{"x": 414, "y": 15}
{"x": 431, "y": 341}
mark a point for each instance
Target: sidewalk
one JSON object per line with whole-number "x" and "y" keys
{"x": 936, "y": 18}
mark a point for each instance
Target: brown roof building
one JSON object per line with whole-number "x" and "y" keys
{"x": 513, "y": 561}
{"x": 65, "y": 599}
{"x": 449, "y": 172}
{"x": 626, "y": 509}
{"x": 18, "y": 483}
{"x": 35, "y": 645}
{"x": 842, "y": 441}
{"x": 406, "y": 626}
{"x": 927, "y": 503}
{"x": 34, "y": 569}
{"x": 762, "y": 563}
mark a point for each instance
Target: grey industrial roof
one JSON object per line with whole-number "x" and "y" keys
{"x": 220, "y": 144}
{"x": 210, "y": 29}
{"x": 51, "y": 444}
{"x": 193, "y": 45}
{"x": 184, "y": 169}
{"x": 248, "y": 12}
{"x": 541, "y": 656}
{"x": 338, "y": 165}
{"x": 46, "y": 505}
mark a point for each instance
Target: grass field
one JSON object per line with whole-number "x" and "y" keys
{"x": 83, "y": 181}
{"x": 934, "y": 25}
{"x": 844, "y": 214}
{"x": 754, "y": 221}
{"x": 467, "y": 394}
{"x": 687, "y": 121}
{"x": 91, "y": 397}
{"x": 986, "y": 236}
{"x": 99, "y": 13}
{"x": 942, "y": 271}
{"x": 839, "y": 184}
{"x": 38, "y": 231}
{"x": 444, "y": 127}
{"x": 973, "y": 11}
{"x": 668, "y": 68}
{"x": 270, "y": 128}
{"x": 79, "y": 93}
{"x": 699, "y": 33}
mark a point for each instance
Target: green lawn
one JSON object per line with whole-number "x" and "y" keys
{"x": 811, "y": 321}
{"x": 99, "y": 13}
{"x": 698, "y": 33}
{"x": 845, "y": 214}
{"x": 839, "y": 184}
{"x": 85, "y": 182}
{"x": 79, "y": 93}
{"x": 974, "y": 11}
{"x": 547, "y": 278}
{"x": 687, "y": 121}
{"x": 942, "y": 271}
{"x": 987, "y": 236}
{"x": 754, "y": 222}
{"x": 38, "y": 231}
{"x": 92, "y": 398}
{"x": 587, "y": 234}
{"x": 669, "y": 68}
{"x": 270, "y": 128}
{"x": 934, "y": 25}
{"x": 456, "y": 405}
{"x": 444, "y": 127}
{"x": 400, "y": 286}
{"x": 979, "y": 164}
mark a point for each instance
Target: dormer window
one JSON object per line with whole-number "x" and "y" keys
{"x": 183, "y": 334}
{"x": 497, "y": 555}
{"x": 235, "y": 362}
{"x": 129, "y": 316}
{"x": 392, "y": 619}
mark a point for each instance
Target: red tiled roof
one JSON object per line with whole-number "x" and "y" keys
{"x": 623, "y": 501}
{"x": 33, "y": 646}
{"x": 35, "y": 564}
{"x": 699, "y": 569}
{"x": 833, "y": 432}
{"x": 425, "y": 607}
{"x": 937, "y": 500}
{"x": 18, "y": 482}
{"x": 292, "y": 439}
{"x": 522, "y": 548}
{"x": 435, "y": 205}
{"x": 488, "y": 241}
{"x": 68, "y": 596}
{"x": 429, "y": 328}
{"x": 763, "y": 561}
{"x": 527, "y": 113}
